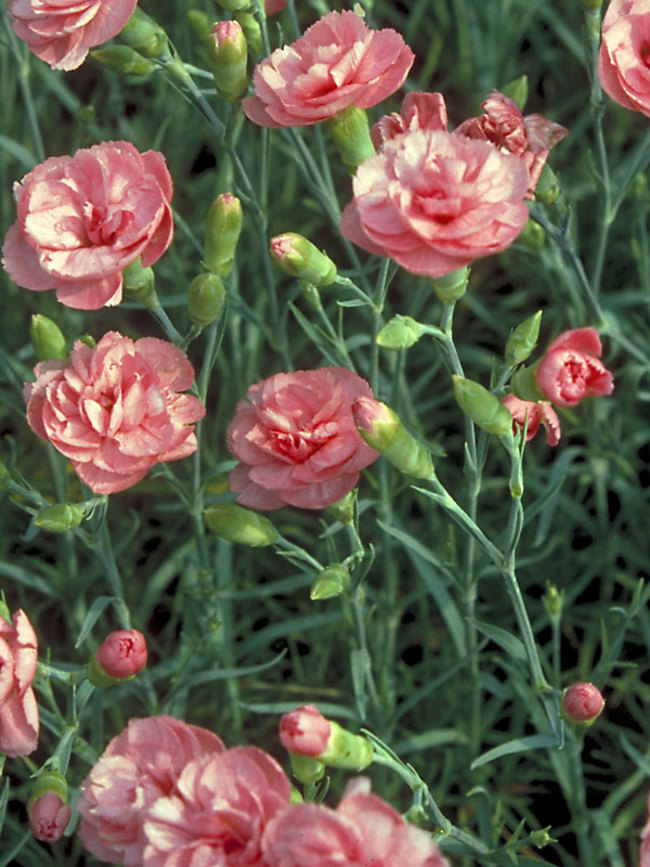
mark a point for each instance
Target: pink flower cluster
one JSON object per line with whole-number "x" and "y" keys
{"x": 117, "y": 409}
{"x": 19, "y": 723}
{"x": 166, "y": 793}
{"x": 83, "y": 219}
{"x": 434, "y": 201}
{"x": 296, "y": 440}
{"x": 624, "y": 58}
{"x": 62, "y": 32}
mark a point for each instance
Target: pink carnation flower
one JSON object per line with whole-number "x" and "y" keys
{"x": 139, "y": 766}
{"x": 62, "y": 32}
{"x": 116, "y": 410}
{"x": 571, "y": 369}
{"x": 218, "y": 812}
{"x": 503, "y": 125}
{"x": 83, "y": 219}
{"x": 624, "y": 58}
{"x": 363, "y": 831}
{"x": 536, "y": 412}
{"x": 297, "y": 441}
{"x": 18, "y": 708}
{"x": 434, "y": 202}
{"x": 419, "y": 111}
{"x": 336, "y": 63}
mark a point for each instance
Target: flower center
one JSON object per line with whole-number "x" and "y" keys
{"x": 102, "y": 226}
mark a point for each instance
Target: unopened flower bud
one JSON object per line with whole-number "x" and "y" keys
{"x": 517, "y": 89}
{"x": 540, "y": 837}
{"x": 329, "y": 583}
{"x": 300, "y": 258}
{"x": 451, "y": 287}
{"x": 237, "y": 524}
{"x": 484, "y": 408}
{"x": 400, "y": 332}
{"x": 222, "y": 229}
{"x": 553, "y": 601}
{"x": 532, "y": 235}
{"x": 305, "y": 769}
{"x": 49, "y": 813}
{"x": 60, "y": 517}
{"x": 234, "y": 5}
{"x": 229, "y": 54}
{"x": 351, "y": 133}
{"x": 252, "y": 31}
{"x": 47, "y": 339}
{"x": 138, "y": 281}
{"x": 582, "y": 703}
{"x": 205, "y": 299}
{"x": 308, "y": 733}
{"x": 145, "y": 36}
{"x": 121, "y": 656}
{"x": 523, "y": 339}
{"x": 548, "y": 187}
{"x": 382, "y": 428}
{"x": 343, "y": 510}
{"x": 122, "y": 58}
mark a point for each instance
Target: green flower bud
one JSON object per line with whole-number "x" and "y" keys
{"x": 234, "y": 5}
{"x": 523, "y": 339}
{"x": 47, "y": 339}
{"x": 382, "y": 429}
{"x": 517, "y": 89}
{"x": 532, "y": 235}
{"x": 351, "y": 134}
{"x": 553, "y": 601}
{"x": 229, "y": 54}
{"x": 541, "y": 837}
{"x": 524, "y": 384}
{"x": 60, "y": 517}
{"x": 484, "y": 408}
{"x": 300, "y": 258}
{"x": 237, "y": 524}
{"x": 400, "y": 332}
{"x": 121, "y": 58}
{"x": 331, "y": 582}
{"x": 305, "y": 769}
{"x": 343, "y": 510}
{"x": 346, "y": 750}
{"x": 145, "y": 36}
{"x": 50, "y": 781}
{"x": 252, "y": 31}
{"x": 451, "y": 287}
{"x": 138, "y": 281}
{"x": 205, "y": 299}
{"x": 548, "y": 187}
{"x": 222, "y": 230}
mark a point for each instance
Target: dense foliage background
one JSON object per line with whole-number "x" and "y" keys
{"x": 233, "y": 646}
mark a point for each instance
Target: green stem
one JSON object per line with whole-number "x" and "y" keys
{"x": 104, "y": 551}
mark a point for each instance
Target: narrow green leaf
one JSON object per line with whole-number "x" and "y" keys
{"x": 518, "y": 745}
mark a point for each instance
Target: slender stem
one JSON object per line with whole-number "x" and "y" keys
{"x": 104, "y": 551}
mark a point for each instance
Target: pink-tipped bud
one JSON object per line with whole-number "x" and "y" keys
{"x": 229, "y": 58}
{"x": 382, "y": 428}
{"x": 582, "y": 703}
{"x": 121, "y": 656}
{"x": 300, "y": 258}
{"x": 49, "y": 816}
{"x": 305, "y": 731}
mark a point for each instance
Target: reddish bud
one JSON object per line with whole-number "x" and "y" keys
{"x": 582, "y": 703}
{"x": 49, "y": 816}
{"x": 305, "y": 731}
{"x": 122, "y": 655}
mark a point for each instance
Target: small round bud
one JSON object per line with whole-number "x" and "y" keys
{"x": 205, "y": 299}
{"x": 138, "y": 281}
{"x": 400, "y": 332}
{"x": 300, "y": 258}
{"x": 351, "y": 133}
{"x": 49, "y": 816}
{"x": 343, "y": 510}
{"x": 451, "y": 287}
{"x": 121, "y": 656}
{"x": 329, "y": 583}
{"x": 60, "y": 517}
{"x": 305, "y": 731}
{"x": 582, "y": 703}
{"x": 237, "y": 524}
{"x": 47, "y": 339}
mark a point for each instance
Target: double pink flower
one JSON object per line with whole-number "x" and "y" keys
{"x": 117, "y": 409}
{"x": 19, "y": 722}
{"x": 623, "y": 66}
